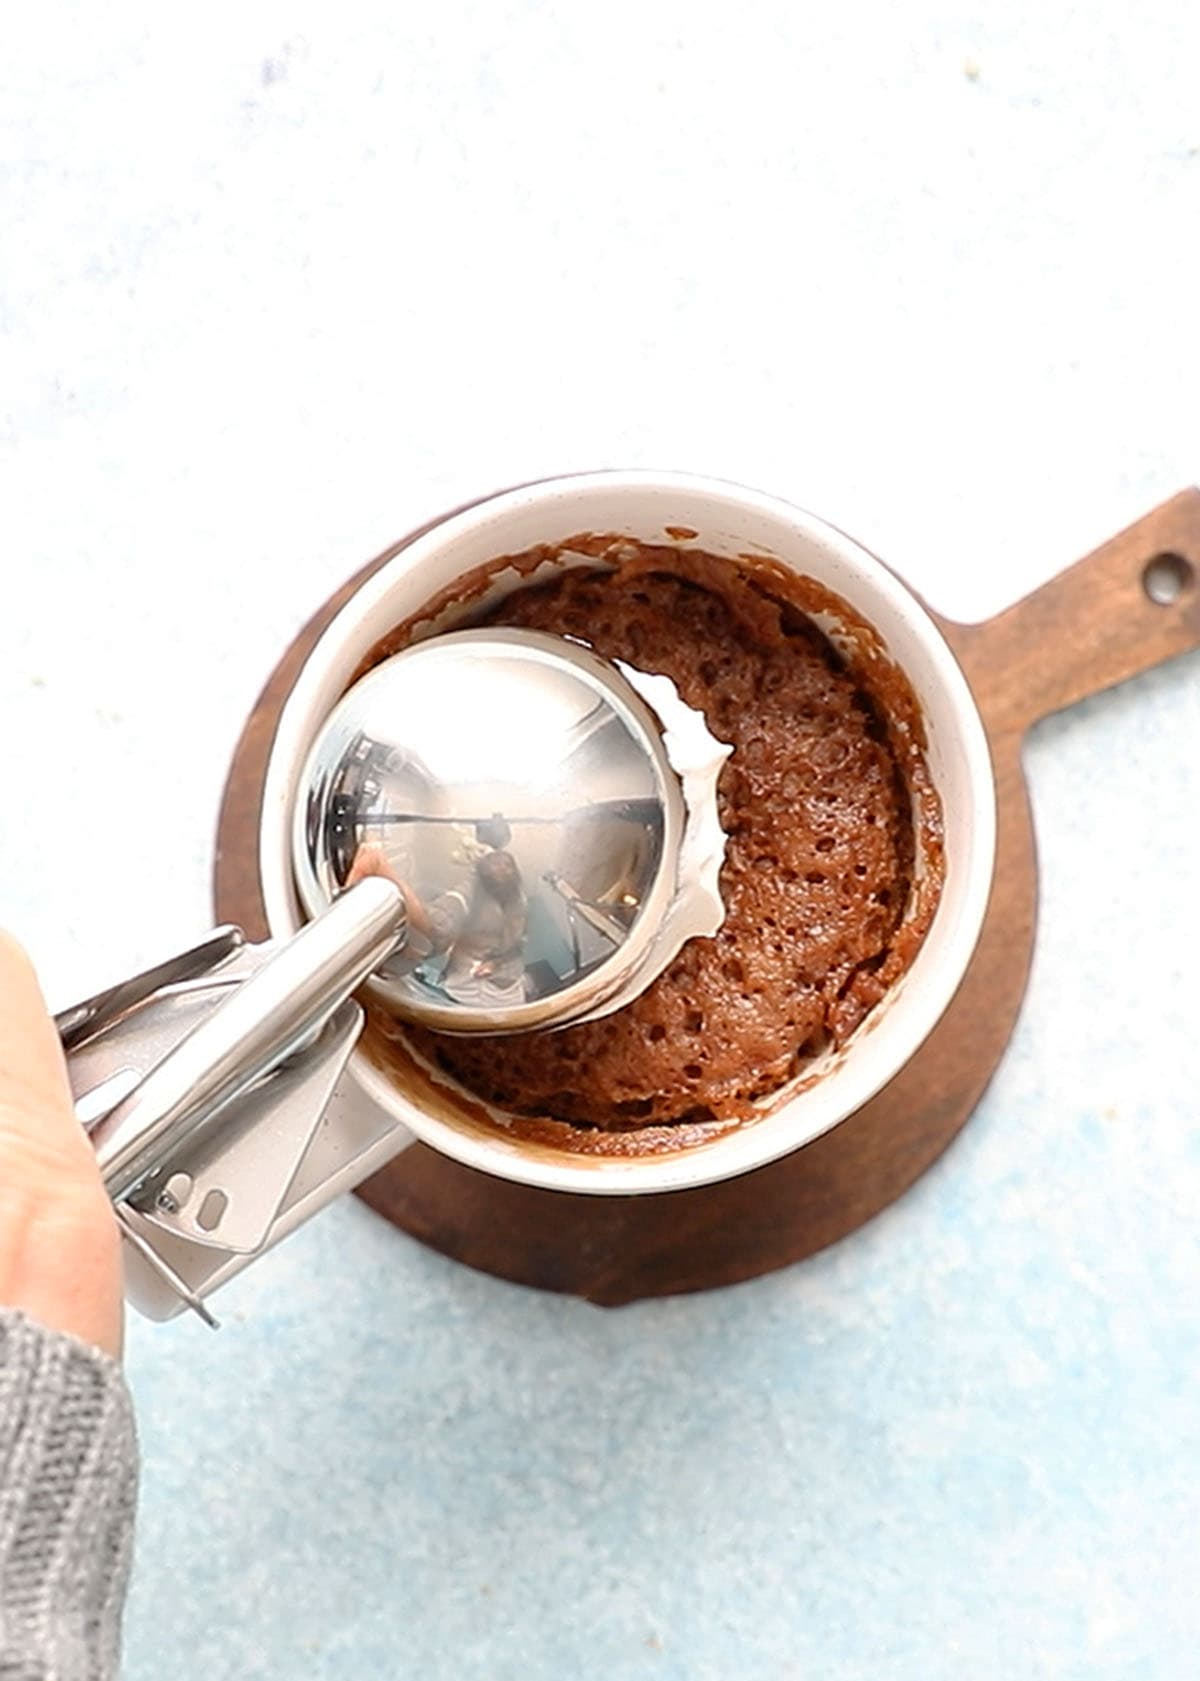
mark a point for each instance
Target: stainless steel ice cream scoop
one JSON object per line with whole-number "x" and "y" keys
{"x": 495, "y": 831}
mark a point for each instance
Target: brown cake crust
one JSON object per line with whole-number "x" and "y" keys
{"x": 823, "y": 911}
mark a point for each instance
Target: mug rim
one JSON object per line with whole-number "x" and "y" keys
{"x": 753, "y": 1143}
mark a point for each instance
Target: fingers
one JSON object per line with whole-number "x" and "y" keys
{"x": 29, "y": 1047}
{"x": 60, "y": 1256}
{"x": 371, "y": 860}
{"x": 35, "y": 1097}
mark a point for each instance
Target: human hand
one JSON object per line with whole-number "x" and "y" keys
{"x": 60, "y": 1246}
{"x": 372, "y": 860}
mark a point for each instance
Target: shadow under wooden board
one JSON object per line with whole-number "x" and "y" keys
{"x": 1130, "y": 605}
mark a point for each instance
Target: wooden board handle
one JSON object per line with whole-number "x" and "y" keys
{"x": 1104, "y": 619}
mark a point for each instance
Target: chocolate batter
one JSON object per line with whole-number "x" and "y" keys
{"x": 823, "y": 907}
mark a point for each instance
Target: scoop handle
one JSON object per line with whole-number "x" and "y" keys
{"x": 257, "y": 1026}
{"x": 1127, "y": 606}
{"x": 82, "y": 1022}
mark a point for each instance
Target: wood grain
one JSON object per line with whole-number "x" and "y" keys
{"x": 1090, "y": 627}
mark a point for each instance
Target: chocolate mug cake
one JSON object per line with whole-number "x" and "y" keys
{"x": 833, "y": 863}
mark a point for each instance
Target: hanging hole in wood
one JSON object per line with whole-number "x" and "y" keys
{"x": 1165, "y": 578}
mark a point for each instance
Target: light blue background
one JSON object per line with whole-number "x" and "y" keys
{"x": 279, "y": 281}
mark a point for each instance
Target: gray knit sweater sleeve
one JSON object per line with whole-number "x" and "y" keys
{"x": 68, "y": 1483}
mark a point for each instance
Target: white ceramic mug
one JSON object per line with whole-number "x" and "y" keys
{"x": 377, "y": 1115}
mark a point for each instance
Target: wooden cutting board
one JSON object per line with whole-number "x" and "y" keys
{"x": 1128, "y": 606}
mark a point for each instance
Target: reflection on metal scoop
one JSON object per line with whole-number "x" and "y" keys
{"x": 479, "y": 771}
{"x": 545, "y": 826}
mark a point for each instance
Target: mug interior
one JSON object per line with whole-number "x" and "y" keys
{"x": 734, "y": 523}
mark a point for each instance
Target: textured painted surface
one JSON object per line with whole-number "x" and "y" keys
{"x": 279, "y": 283}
